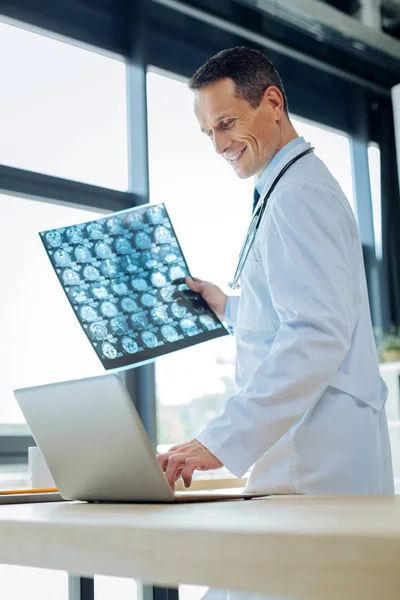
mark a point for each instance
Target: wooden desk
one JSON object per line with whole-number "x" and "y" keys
{"x": 322, "y": 548}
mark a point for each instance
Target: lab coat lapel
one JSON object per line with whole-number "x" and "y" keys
{"x": 284, "y": 161}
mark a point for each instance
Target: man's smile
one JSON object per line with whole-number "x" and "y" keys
{"x": 235, "y": 157}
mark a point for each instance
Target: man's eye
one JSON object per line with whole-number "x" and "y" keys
{"x": 227, "y": 124}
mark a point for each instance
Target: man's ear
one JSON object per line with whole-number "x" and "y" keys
{"x": 274, "y": 98}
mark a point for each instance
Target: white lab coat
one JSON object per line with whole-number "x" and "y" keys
{"x": 309, "y": 408}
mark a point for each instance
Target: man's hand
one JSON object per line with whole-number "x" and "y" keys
{"x": 211, "y": 293}
{"x": 183, "y": 459}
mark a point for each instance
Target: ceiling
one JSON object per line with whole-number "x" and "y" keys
{"x": 389, "y": 10}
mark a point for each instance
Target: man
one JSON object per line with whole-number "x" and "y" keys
{"x": 309, "y": 408}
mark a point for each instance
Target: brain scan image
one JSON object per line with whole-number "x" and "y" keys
{"x": 128, "y": 305}
{"x": 71, "y": 277}
{"x": 162, "y": 235}
{"x": 98, "y": 330}
{"x": 119, "y": 325}
{"x": 158, "y": 279}
{"x": 138, "y": 284}
{"x": 123, "y": 246}
{"x": 94, "y": 231}
{"x": 78, "y": 295}
{"x": 208, "y": 321}
{"x": 114, "y": 225}
{"x": 139, "y": 321}
{"x": 109, "y": 350}
{"x": 167, "y": 293}
{"x": 129, "y": 264}
{"x": 169, "y": 333}
{"x": 188, "y": 326}
{"x": 91, "y": 273}
{"x": 62, "y": 258}
{"x": 147, "y": 300}
{"x": 151, "y": 259}
{"x": 135, "y": 221}
{"x": 119, "y": 287}
{"x": 179, "y": 310}
{"x": 155, "y": 215}
{"x": 124, "y": 276}
{"x": 88, "y": 313}
{"x": 109, "y": 267}
{"x": 129, "y": 345}
{"x": 103, "y": 250}
{"x": 54, "y": 238}
{"x": 108, "y": 309}
{"x": 82, "y": 254}
{"x": 143, "y": 240}
{"x": 99, "y": 291}
{"x": 169, "y": 253}
{"x": 159, "y": 315}
{"x": 177, "y": 273}
{"x": 74, "y": 235}
{"x": 149, "y": 339}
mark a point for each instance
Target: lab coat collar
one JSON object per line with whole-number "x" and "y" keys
{"x": 298, "y": 149}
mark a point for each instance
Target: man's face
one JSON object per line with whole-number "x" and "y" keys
{"x": 246, "y": 137}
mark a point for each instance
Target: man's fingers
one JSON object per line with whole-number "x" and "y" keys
{"x": 188, "y": 470}
{"x": 178, "y": 473}
{"x": 175, "y": 464}
{"x": 162, "y": 460}
{"x": 195, "y": 284}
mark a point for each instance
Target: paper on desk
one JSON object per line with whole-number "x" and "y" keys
{"x": 118, "y": 273}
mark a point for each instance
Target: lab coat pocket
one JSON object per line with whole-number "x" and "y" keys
{"x": 255, "y": 308}
{"x": 372, "y": 392}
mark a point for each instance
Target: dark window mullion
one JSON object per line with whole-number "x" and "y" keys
{"x": 359, "y": 152}
{"x": 139, "y": 381}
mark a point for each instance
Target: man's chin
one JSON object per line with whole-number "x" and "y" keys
{"x": 243, "y": 173}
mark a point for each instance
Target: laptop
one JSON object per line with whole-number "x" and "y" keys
{"x": 95, "y": 445}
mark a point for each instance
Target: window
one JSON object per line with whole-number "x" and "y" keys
{"x": 333, "y": 148}
{"x": 62, "y": 109}
{"x": 32, "y": 583}
{"x": 210, "y": 209}
{"x": 42, "y": 341}
{"x": 193, "y": 592}
{"x": 115, "y": 587}
{"x": 207, "y": 203}
{"x": 374, "y": 161}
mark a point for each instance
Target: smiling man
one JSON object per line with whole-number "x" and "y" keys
{"x": 243, "y": 130}
{"x": 308, "y": 416}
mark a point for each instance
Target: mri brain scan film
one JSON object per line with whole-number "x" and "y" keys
{"x": 124, "y": 276}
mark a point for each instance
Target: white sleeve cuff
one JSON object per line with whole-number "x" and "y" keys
{"x": 237, "y": 465}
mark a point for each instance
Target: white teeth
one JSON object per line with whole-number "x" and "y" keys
{"x": 236, "y": 156}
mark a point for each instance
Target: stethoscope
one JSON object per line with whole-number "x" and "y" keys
{"x": 256, "y": 220}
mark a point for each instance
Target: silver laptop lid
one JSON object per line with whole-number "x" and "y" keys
{"x": 93, "y": 441}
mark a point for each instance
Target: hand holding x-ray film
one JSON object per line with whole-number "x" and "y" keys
{"x": 124, "y": 277}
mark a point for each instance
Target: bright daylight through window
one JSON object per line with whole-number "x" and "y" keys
{"x": 72, "y": 124}
{"x": 62, "y": 109}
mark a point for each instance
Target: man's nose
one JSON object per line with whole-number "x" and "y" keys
{"x": 221, "y": 142}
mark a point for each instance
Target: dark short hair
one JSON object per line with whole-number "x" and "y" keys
{"x": 251, "y": 72}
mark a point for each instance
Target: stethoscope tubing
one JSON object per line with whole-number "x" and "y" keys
{"x": 257, "y": 217}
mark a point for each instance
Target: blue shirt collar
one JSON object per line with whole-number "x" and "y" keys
{"x": 261, "y": 181}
